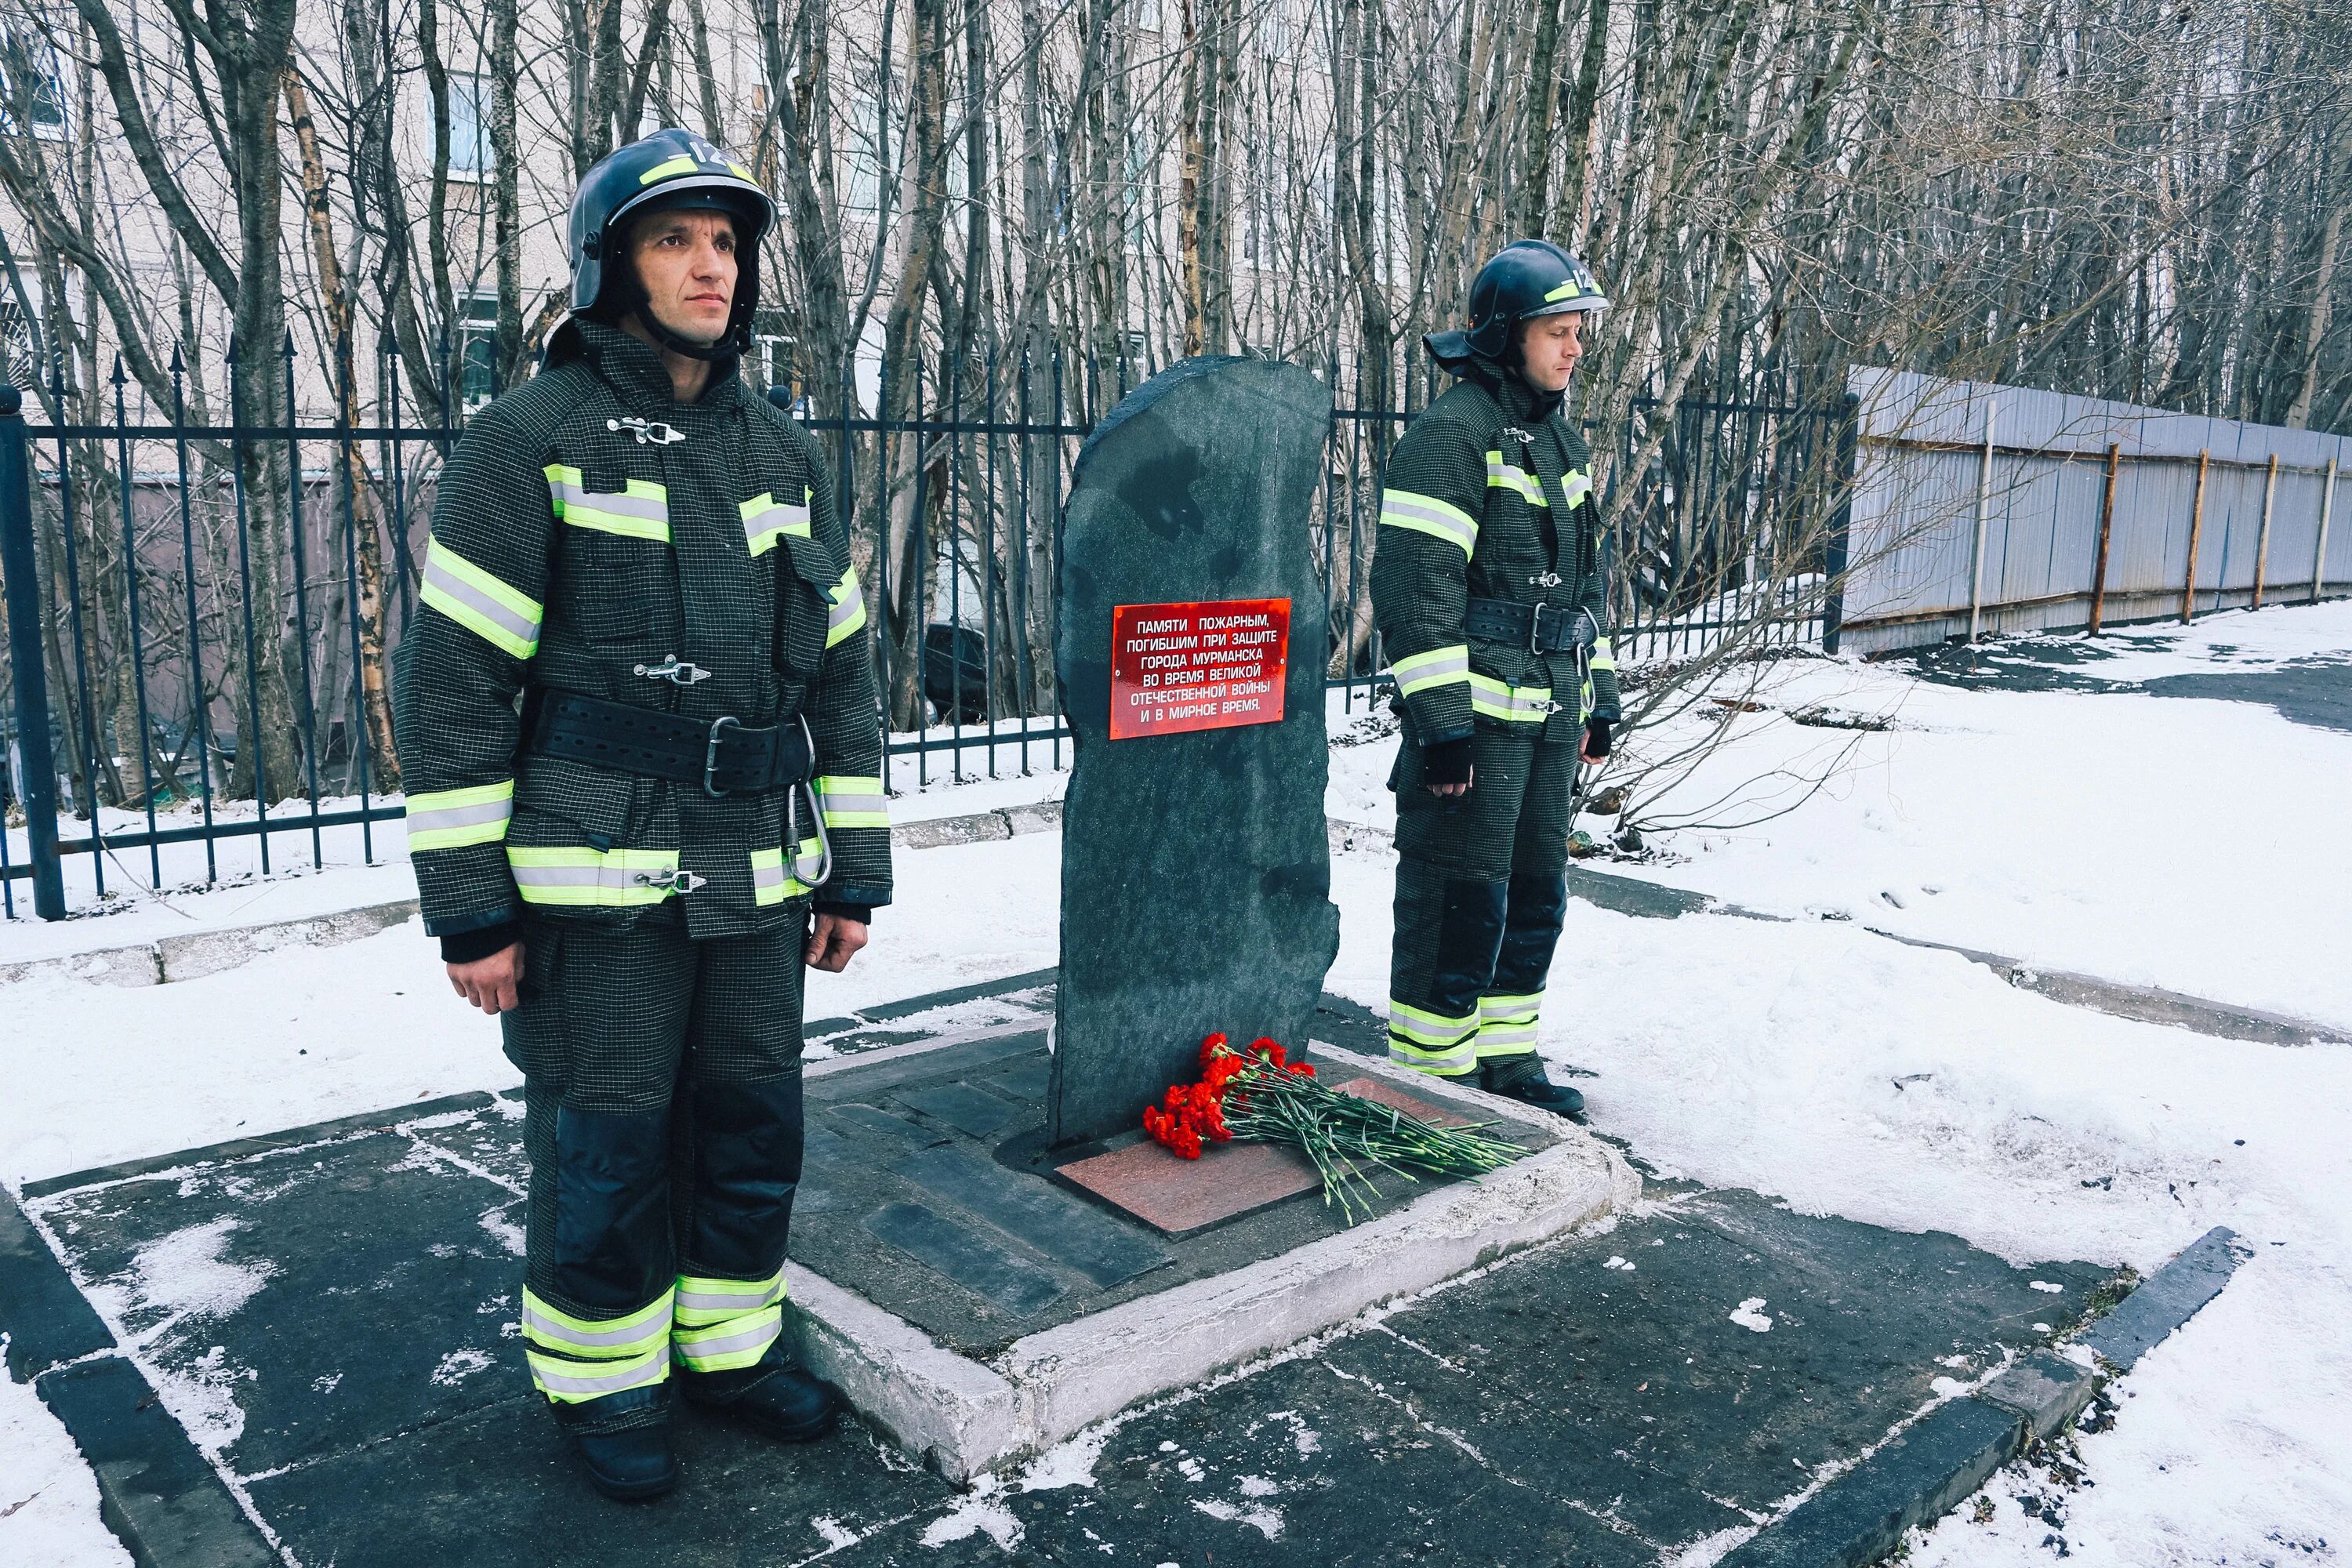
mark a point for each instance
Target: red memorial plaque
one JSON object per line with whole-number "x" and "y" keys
{"x": 1176, "y": 667}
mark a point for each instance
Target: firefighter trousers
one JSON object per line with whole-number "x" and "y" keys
{"x": 1481, "y": 891}
{"x": 662, "y": 1117}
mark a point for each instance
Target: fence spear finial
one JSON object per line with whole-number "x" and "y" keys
{"x": 117, "y": 377}
{"x": 178, "y": 368}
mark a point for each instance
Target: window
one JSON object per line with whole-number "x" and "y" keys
{"x": 29, "y": 85}
{"x": 23, "y": 367}
{"x": 1142, "y": 177}
{"x": 771, "y": 349}
{"x": 470, "y": 152}
{"x": 864, "y": 155}
{"x": 478, "y": 349}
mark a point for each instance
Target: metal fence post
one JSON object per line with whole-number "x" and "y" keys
{"x": 19, "y": 564}
{"x": 2196, "y": 532}
{"x": 2319, "y": 551}
{"x": 1984, "y": 508}
{"x": 1841, "y": 539}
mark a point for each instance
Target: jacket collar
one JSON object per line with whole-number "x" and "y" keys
{"x": 1519, "y": 401}
{"x": 634, "y": 367}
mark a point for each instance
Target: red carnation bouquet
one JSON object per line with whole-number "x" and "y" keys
{"x": 1261, "y": 1095}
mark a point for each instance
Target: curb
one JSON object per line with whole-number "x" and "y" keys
{"x": 1924, "y": 1471}
{"x": 156, "y": 1491}
{"x": 191, "y": 957}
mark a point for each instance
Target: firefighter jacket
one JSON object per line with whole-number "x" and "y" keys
{"x": 593, "y": 535}
{"x": 1489, "y": 495}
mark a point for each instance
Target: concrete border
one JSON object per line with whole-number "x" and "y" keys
{"x": 159, "y": 1495}
{"x": 1924, "y": 1471}
{"x": 964, "y": 1418}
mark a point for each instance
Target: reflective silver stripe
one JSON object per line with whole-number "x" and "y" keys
{"x": 691, "y": 1349}
{"x": 613, "y": 503}
{"x": 763, "y": 877}
{"x": 450, "y": 816}
{"x": 1439, "y": 520}
{"x": 1495, "y": 1035}
{"x": 848, "y": 804}
{"x": 851, "y": 608}
{"x": 437, "y": 575}
{"x": 655, "y": 1369}
{"x": 546, "y": 1328}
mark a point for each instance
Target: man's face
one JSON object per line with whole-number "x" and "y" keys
{"x": 687, "y": 262}
{"x": 1549, "y": 347}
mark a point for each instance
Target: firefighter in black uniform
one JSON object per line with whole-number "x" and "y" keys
{"x": 638, "y": 724}
{"x": 1489, "y": 591}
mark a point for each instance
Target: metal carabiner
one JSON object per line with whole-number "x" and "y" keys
{"x": 672, "y": 669}
{"x": 793, "y": 797}
{"x": 645, "y": 430}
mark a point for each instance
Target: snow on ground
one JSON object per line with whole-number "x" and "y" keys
{"x": 100, "y": 1073}
{"x": 2196, "y": 845}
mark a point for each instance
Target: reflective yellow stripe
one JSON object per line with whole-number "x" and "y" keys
{"x": 1432, "y": 1042}
{"x": 1428, "y": 1029}
{"x": 1603, "y": 655}
{"x": 1568, "y": 290}
{"x": 739, "y": 172}
{"x": 772, "y": 883}
{"x": 853, "y": 802}
{"x": 569, "y": 1382}
{"x": 503, "y": 616}
{"x": 849, "y": 611}
{"x": 1501, "y": 474}
{"x": 453, "y": 819}
{"x": 1493, "y": 699}
{"x": 1576, "y": 484}
{"x": 1510, "y": 1009}
{"x": 729, "y": 1346}
{"x": 591, "y": 878}
{"x": 702, "y": 1302}
{"x": 595, "y": 1339}
{"x": 639, "y": 509}
{"x": 1438, "y": 667}
{"x": 767, "y": 520}
{"x": 1427, "y": 515}
{"x": 664, "y": 171}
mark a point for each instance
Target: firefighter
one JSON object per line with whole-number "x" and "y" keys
{"x": 639, "y": 723}
{"x": 1491, "y": 599}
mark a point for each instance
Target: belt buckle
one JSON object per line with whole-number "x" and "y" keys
{"x": 718, "y": 728}
{"x": 1534, "y": 628}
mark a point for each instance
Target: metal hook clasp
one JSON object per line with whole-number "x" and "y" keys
{"x": 645, "y": 430}
{"x": 680, "y": 881}
{"x": 672, "y": 669}
{"x": 1541, "y": 580}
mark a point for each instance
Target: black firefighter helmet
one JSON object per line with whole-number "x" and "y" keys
{"x": 1529, "y": 278}
{"x": 663, "y": 172}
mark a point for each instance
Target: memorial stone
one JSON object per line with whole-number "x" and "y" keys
{"x": 1196, "y": 865}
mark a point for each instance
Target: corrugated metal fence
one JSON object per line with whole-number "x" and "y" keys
{"x": 1980, "y": 508}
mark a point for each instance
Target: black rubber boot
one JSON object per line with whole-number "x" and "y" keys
{"x": 622, "y": 1440}
{"x": 1521, "y": 1078}
{"x": 776, "y": 1396}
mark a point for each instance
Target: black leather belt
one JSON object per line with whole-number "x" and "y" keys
{"x": 725, "y": 756}
{"x": 1539, "y": 628}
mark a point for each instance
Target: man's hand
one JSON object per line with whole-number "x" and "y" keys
{"x": 1453, "y": 789}
{"x": 835, "y": 942}
{"x": 493, "y": 983}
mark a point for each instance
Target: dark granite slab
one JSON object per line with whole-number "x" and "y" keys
{"x": 1195, "y": 867}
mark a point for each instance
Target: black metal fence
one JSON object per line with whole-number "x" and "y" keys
{"x": 202, "y": 615}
